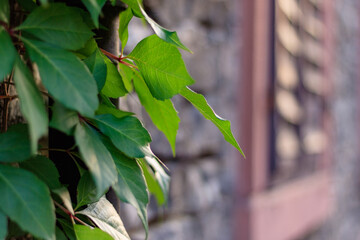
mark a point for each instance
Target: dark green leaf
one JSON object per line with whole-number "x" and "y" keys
{"x": 27, "y": 5}
{"x": 204, "y": 108}
{"x": 44, "y": 169}
{"x": 63, "y": 119}
{"x": 161, "y": 66}
{"x": 89, "y": 48}
{"x": 86, "y": 233}
{"x": 3, "y": 225}
{"x": 130, "y": 187}
{"x": 163, "y": 33}
{"x": 31, "y": 103}
{"x": 162, "y": 113}
{"x": 104, "y": 215}
{"x": 125, "y": 17}
{"x": 59, "y": 25}
{"x": 86, "y": 191}
{"x": 104, "y": 109}
{"x": 58, "y": 67}
{"x": 151, "y": 182}
{"x": 68, "y": 228}
{"x": 94, "y": 7}
{"x": 134, "y": 5}
{"x": 114, "y": 86}
{"x": 59, "y": 234}
{"x": 6, "y": 49}
{"x": 44, "y": 2}
{"x": 4, "y": 12}
{"x": 97, "y": 67}
{"x": 96, "y": 157}
{"x": 26, "y": 200}
{"x": 127, "y": 134}
{"x": 15, "y": 144}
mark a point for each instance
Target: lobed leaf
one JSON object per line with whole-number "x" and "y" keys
{"x": 59, "y": 25}
{"x": 204, "y": 108}
{"x": 15, "y": 144}
{"x": 162, "y": 113}
{"x": 58, "y": 67}
{"x": 31, "y": 103}
{"x": 26, "y": 200}
{"x": 162, "y": 67}
{"x": 104, "y": 215}
{"x": 86, "y": 233}
{"x": 127, "y": 133}
{"x": 96, "y": 157}
{"x": 6, "y": 49}
{"x": 94, "y": 7}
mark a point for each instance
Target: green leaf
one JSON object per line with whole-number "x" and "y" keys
{"x": 94, "y": 7}
{"x": 127, "y": 75}
{"x": 96, "y": 157}
{"x": 97, "y": 67}
{"x": 161, "y": 66}
{"x": 6, "y": 49}
{"x": 86, "y": 191}
{"x": 161, "y": 176}
{"x": 86, "y": 233}
{"x": 31, "y": 103}
{"x": 58, "y": 67}
{"x": 127, "y": 134}
{"x": 204, "y": 108}
{"x": 64, "y": 195}
{"x": 163, "y": 33}
{"x": 59, "y": 234}
{"x": 44, "y": 2}
{"x": 125, "y": 17}
{"x": 151, "y": 182}
{"x": 68, "y": 228}
{"x": 4, "y": 11}
{"x": 104, "y": 215}
{"x": 3, "y": 225}
{"x": 130, "y": 187}
{"x": 27, "y": 5}
{"x": 162, "y": 113}
{"x": 114, "y": 86}
{"x": 104, "y": 109}
{"x": 59, "y": 25}
{"x": 134, "y": 5}
{"x": 63, "y": 119}
{"x": 26, "y": 200}
{"x": 44, "y": 169}
{"x": 15, "y": 144}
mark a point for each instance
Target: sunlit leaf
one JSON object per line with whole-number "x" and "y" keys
{"x": 114, "y": 86}
{"x": 86, "y": 233}
{"x": 125, "y": 17}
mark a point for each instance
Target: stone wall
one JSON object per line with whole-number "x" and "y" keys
{"x": 200, "y": 203}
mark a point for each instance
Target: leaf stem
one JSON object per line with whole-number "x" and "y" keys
{"x": 70, "y": 214}
{"x": 110, "y": 55}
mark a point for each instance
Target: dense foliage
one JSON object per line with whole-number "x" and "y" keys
{"x": 111, "y": 148}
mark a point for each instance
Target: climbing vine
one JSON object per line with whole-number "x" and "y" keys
{"x": 57, "y": 44}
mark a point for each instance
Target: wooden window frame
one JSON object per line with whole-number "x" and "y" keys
{"x": 294, "y": 208}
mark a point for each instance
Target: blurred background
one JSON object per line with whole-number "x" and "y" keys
{"x": 285, "y": 72}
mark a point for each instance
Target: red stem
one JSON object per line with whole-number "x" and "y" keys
{"x": 70, "y": 214}
{"x": 110, "y": 55}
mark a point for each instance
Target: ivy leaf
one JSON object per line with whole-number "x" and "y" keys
{"x": 104, "y": 109}
{"x": 94, "y": 7}
{"x": 104, "y": 215}
{"x": 163, "y": 33}
{"x": 3, "y": 225}
{"x": 127, "y": 133}
{"x": 161, "y": 66}
{"x": 58, "y": 67}
{"x": 134, "y": 5}
{"x": 63, "y": 119}
{"x": 4, "y": 11}
{"x": 114, "y": 86}
{"x": 26, "y": 200}
{"x": 15, "y": 144}
{"x": 86, "y": 191}
{"x": 59, "y": 25}
{"x": 86, "y": 233}
{"x": 97, "y": 67}
{"x": 96, "y": 157}
{"x": 31, "y": 103}
{"x": 162, "y": 113}
{"x": 151, "y": 182}
{"x": 204, "y": 108}
{"x": 44, "y": 169}
{"x": 6, "y": 49}
{"x": 130, "y": 187}
{"x": 125, "y": 17}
